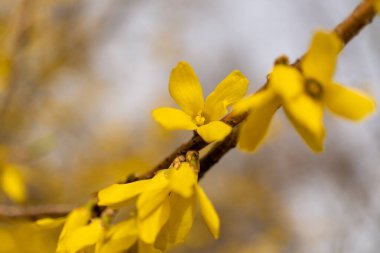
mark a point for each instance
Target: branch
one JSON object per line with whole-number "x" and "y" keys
{"x": 346, "y": 30}
{"x": 34, "y": 212}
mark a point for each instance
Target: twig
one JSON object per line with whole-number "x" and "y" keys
{"x": 34, "y": 212}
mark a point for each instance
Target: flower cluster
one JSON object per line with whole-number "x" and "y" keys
{"x": 197, "y": 114}
{"x": 165, "y": 204}
{"x": 303, "y": 91}
{"x": 165, "y": 211}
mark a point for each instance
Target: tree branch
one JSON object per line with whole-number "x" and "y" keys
{"x": 34, "y": 212}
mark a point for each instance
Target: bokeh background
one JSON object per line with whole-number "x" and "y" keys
{"x": 78, "y": 80}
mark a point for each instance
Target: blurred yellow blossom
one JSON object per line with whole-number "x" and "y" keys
{"x": 303, "y": 96}
{"x": 377, "y": 5}
{"x": 197, "y": 114}
{"x": 12, "y": 183}
{"x": 80, "y": 231}
{"x": 166, "y": 204}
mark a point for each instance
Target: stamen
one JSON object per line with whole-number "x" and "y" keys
{"x": 199, "y": 119}
{"x": 313, "y": 88}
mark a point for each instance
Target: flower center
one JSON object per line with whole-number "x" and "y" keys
{"x": 199, "y": 119}
{"x": 313, "y": 88}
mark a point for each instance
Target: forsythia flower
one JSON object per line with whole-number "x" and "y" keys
{"x": 80, "y": 231}
{"x": 121, "y": 237}
{"x": 303, "y": 96}
{"x": 197, "y": 114}
{"x": 165, "y": 204}
{"x": 12, "y": 183}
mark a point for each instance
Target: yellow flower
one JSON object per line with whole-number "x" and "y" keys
{"x": 79, "y": 231}
{"x": 119, "y": 237}
{"x": 197, "y": 114}
{"x": 165, "y": 204}
{"x": 123, "y": 236}
{"x": 12, "y": 182}
{"x": 303, "y": 96}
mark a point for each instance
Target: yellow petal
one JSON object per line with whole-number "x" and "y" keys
{"x": 77, "y": 218}
{"x": 117, "y": 195}
{"x": 123, "y": 229}
{"x": 147, "y": 248}
{"x": 285, "y": 81}
{"x": 183, "y": 180}
{"x": 120, "y": 237}
{"x": 180, "y": 222}
{"x": 306, "y": 115}
{"x": 185, "y": 89}
{"x": 214, "y": 131}
{"x": 151, "y": 225}
{"x": 12, "y": 183}
{"x": 173, "y": 119}
{"x": 228, "y": 92}
{"x": 48, "y": 223}
{"x": 254, "y": 101}
{"x": 255, "y": 128}
{"x": 209, "y": 214}
{"x": 348, "y": 103}
{"x": 319, "y": 62}
{"x": 85, "y": 236}
{"x": 153, "y": 196}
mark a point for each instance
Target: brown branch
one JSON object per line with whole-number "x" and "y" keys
{"x": 346, "y": 30}
{"x": 217, "y": 152}
{"x": 34, "y": 212}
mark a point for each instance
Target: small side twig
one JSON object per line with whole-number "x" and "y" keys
{"x": 34, "y": 212}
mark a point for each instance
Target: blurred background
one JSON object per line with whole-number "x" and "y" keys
{"x": 78, "y": 80}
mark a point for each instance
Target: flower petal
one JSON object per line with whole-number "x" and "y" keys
{"x": 12, "y": 183}
{"x": 120, "y": 237}
{"x": 319, "y": 62}
{"x": 214, "y": 131}
{"x": 153, "y": 196}
{"x": 306, "y": 115}
{"x": 77, "y": 218}
{"x": 255, "y": 128}
{"x": 287, "y": 82}
{"x": 85, "y": 236}
{"x": 151, "y": 225}
{"x": 254, "y": 101}
{"x": 173, "y": 119}
{"x": 49, "y": 223}
{"x": 183, "y": 180}
{"x": 185, "y": 89}
{"x": 209, "y": 214}
{"x": 117, "y": 195}
{"x": 180, "y": 221}
{"x": 228, "y": 92}
{"x": 348, "y": 103}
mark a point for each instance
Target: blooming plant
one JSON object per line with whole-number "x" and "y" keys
{"x": 197, "y": 114}
{"x": 158, "y": 206}
{"x": 303, "y": 92}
